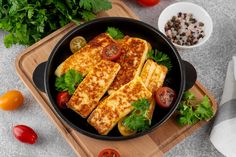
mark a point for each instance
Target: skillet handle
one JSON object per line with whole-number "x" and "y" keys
{"x": 190, "y": 75}
{"x": 38, "y": 76}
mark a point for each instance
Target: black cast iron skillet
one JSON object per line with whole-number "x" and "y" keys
{"x": 176, "y": 78}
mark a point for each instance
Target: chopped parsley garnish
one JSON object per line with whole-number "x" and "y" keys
{"x": 160, "y": 58}
{"x": 115, "y": 33}
{"x": 68, "y": 81}
{"x": 138, "y": 119}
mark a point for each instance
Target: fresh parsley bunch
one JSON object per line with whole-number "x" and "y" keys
{"x": 188, "y": 114}
{"x": 27, "y": 21}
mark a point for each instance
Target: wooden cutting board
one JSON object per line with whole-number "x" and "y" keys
{"x": 154, "y": 144}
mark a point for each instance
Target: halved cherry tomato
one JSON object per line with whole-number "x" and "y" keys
{"x": 164, "y": 96}
{"x": 62, "y": 99}
{"x": 124, "y": 130}
{"x": 77, "y": 43}
{"x": 108, "y": 153}
{"x": 111, "y": 52}
{"x": 148, "y": 3}
{"x": 25, "y": 134}
{"x": 11, "y": 100}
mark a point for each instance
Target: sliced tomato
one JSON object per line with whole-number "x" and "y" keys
{"x": 148, "y": 3}
{"x": 164, "y": 96}
{"x": 77, "y": 43}
{"x": 111, "y": 52}
{"x": 108, "y": 153}
{"x": 62, "y": 99}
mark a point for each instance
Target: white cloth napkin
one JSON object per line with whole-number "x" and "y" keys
{"x": 223, "y": 134}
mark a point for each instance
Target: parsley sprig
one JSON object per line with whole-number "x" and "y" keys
{"x": 189, "y": 114}
{"x": 115, "y": 33}
{"x": 160, "y": 58}
{"x": 29, "y": 21}
{"x": 68, "y": 81}
{"x": 138, "y": 119}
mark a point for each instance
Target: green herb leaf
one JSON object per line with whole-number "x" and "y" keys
{"x": 68, "y": 81}
{"x": 188, "y": 114}
{"x": 101, "y": 5}
{"x": 30, "y": 13}
{"x": 87, "y": 15}
{"x": 188, "y": 96}
{"x": 9, "y": 40}
{"x": 95, "y": 5}
{"x": 43, "y": 17}
{"x": 160, "y": 58}
{"x": 115, "y": 33}
{"x": 204, "y": 110}
{"x": 138, "y": 119}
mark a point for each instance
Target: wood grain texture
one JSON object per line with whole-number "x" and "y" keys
{"x": 155, "y": 143}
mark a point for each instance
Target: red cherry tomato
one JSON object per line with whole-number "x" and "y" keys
{"x": 108, "y": 153}
{"x": 25, "y": 134}
{"x": 164, "y": 96}
{"x": 148, "y": 3}
{"x": 62, "y": 99}
{"x": 111, "y": 52}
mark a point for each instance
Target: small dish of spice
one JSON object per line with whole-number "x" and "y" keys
{"x": 187, "y": 25}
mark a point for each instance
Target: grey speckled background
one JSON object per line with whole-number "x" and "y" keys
{"x": 210, "y": 60}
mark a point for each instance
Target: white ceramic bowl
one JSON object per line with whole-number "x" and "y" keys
{"x": 186, "y": 7}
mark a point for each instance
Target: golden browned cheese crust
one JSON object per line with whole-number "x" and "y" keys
{"x": 93, "y": 87}
{"x": 87, "y": 57}
{"x": 153, "y": 76}
{"x": 117, "y": 106}
{"x": 131, "y": 60}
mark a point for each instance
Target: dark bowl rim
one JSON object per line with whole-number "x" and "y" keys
{"x": 106, "y": 19}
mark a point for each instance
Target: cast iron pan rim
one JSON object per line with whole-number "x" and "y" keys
{"x": 122, "y": 19}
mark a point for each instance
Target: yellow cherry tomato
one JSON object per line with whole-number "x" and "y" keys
{"x": 124, "y": 130}
{"x": 77, "y": 43}
{"x": 11, "y": 100}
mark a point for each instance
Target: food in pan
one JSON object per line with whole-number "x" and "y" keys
{"x": 77, "y": 43}
{"x": 93, "y": 87}
{"x": 117, "y": 105}
{"x": 153, "y": 76}
{"x": 113, "y": 80}
{"x": 87, "y": 57}
{"x": 164, "y": 96}
{"x": 131, "y": 61}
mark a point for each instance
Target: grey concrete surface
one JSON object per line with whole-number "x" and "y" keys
{"x": 210, "y": 61}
